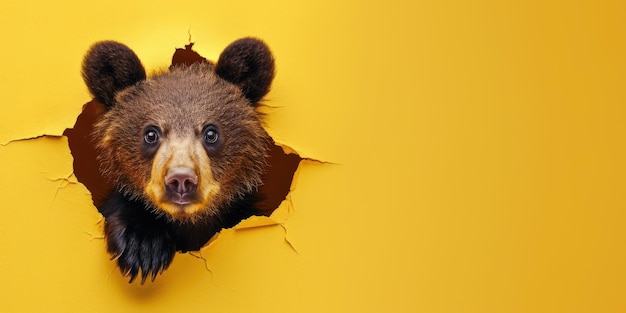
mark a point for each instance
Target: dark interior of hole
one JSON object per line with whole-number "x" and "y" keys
{"x": 276, "y": 181}
{"x": 85, "y": 155}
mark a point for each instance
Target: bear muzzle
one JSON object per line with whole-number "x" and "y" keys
{"x": 181, "y": 184}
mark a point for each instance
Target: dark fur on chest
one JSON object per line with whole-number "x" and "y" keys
{"x": 133, "y": 226}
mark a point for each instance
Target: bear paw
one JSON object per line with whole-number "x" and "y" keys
{"x": 140, "y": 248}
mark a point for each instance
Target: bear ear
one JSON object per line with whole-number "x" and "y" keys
{"x": 109, "y": 67}
{"x": 249, "y": 64}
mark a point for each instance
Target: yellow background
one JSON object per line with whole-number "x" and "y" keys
{"x": 477, "y": 153}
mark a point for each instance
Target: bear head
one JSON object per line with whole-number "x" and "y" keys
{"x": 188, "y": 141}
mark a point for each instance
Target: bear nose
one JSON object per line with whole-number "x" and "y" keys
{"x": 181, "y": 180}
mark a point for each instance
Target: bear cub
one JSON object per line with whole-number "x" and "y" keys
{"x": 185, "y": 149}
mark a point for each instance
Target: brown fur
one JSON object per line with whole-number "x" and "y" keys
{"x": 180, "y": 103}
{"x": 143, "y": 227}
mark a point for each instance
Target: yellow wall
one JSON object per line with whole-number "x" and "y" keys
{"x": 478, "y": 151}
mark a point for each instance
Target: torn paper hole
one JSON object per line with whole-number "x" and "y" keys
{"x": 276, "y": 181}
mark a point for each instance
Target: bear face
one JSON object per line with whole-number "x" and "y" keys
{"x": 187, "y": 142}
{"x": 185, "y": 149}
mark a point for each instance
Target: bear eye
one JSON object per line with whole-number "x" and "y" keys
{"x": 210, "y": 134}
{"x": 151, "y": 135}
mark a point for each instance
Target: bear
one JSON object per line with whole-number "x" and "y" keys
{"x": 185, "y": 149}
